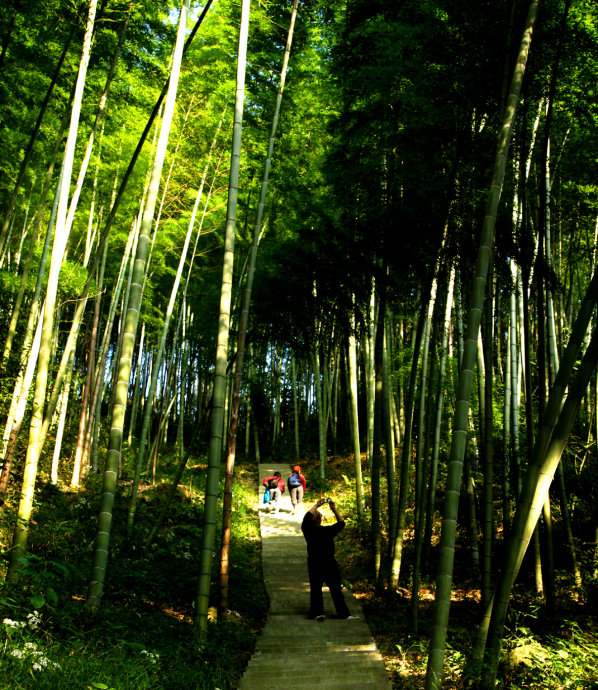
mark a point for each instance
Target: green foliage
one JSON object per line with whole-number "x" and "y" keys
{"x": 42, "y": 578}
{"x": 319, "y": 485}
{"x": 564, "y": 659}
{"x": 143, "y": 636}
{"x": 386, "y": 136}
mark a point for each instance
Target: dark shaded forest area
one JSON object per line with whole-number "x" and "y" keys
{"x": 356, "y": 234}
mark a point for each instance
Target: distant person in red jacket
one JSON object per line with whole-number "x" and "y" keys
{"x": 276, "y": 486}
{"x": 296, "y": 483}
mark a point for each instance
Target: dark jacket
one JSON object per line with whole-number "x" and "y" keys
{"x": 320, "y": 538}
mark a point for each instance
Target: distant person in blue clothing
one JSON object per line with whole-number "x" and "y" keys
{"x": 296, "y": 484}
{"x": 321, "y": 563}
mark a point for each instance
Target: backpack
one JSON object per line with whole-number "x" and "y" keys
{"x": 273, "y": 483}
{"x": 294, "y": 480}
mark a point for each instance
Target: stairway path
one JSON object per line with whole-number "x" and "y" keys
{"x": 293, "y": 651}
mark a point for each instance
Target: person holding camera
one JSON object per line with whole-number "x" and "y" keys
{"x": 321, "y": 562}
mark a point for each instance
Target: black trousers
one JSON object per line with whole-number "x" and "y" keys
{"x": 319, "y": 575}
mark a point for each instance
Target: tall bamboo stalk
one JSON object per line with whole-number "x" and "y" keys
{"x": 96, "y": 585}
{"x": 147, "y": 412}
{"x": 451, "y": 504}
{"x": 218, "y": 398}
{"x": 60, "y": 240}
{"x": 244, "y": 321}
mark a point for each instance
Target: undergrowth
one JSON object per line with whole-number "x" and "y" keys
{"x": 144, "y": 637}
{"x": 540, "y": 652}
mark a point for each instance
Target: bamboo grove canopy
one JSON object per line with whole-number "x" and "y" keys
{"x": 283, "y": 229}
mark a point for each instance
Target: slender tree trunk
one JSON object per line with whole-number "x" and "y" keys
{"x": 61, "y": 413}
{"x": 406, "y": 455}
{"x": 183, "y": 378}
{"x": 355, "y": 423}
{"x": 60, "y": 239}
{"x": 295, "y": 408}
{"x": 234, "y": 416}
{"x": 469, "y": 482}
{"x": 488, "y": 454}
{"x": 158, "y": 362}
{"x": 83, "y": 417}
{"x": 420, "y": 464}
{"x": 448, "y": 534}
{"x": 94, "y": 129}
{"x": 320, "y": 408}
{"x": 96, "y": 586}
{"x": 85, "y": 421}
{"x": 16, "y": 311}
{"x": 14, "y": 422}
{"x": 547, "y": 455}
{"x": 431, "y": 503}
{"x": 137, "y": 388}
{"x": 217, "y": 407}
{"x": 387, "y": 426}
{"x": 28, "y": 356}
{"x": 370, "y": 376}
{"x": 377, "y": 456}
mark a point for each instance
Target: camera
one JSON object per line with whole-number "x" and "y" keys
{"x": 326, "y": 500}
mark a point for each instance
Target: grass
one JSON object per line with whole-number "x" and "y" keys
{"x": 143, "y": 637}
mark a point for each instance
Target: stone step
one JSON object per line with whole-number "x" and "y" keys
{"x": 309, "y": 647}
{"x": 328, "y": 684}
{"x": 317, "y": 669}
{"x": 335, "y": 630}
{"x": 279, "y": 680}
{"x": 319, "y": 655}
{"x": 280, "y": 620}
{"x": 294, "y": 651}
{"x": 300, "y": 677}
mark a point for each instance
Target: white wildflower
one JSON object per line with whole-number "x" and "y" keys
{"x": 42, "y": 663}
{"x": 13, "y": 624}
{"x": 151, "y": 656}
{"x": 34, "y": 620}
{"x": 39, "y": 662}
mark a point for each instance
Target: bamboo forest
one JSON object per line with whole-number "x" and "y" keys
{"x": 358, "y": 236}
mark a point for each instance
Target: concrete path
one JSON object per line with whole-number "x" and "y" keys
{"x": 293, "y": 651}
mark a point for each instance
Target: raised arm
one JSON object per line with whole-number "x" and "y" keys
{"x": 335, "y": 512}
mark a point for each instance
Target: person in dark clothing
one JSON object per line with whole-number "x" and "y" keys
{"x": 321, "y": 563}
